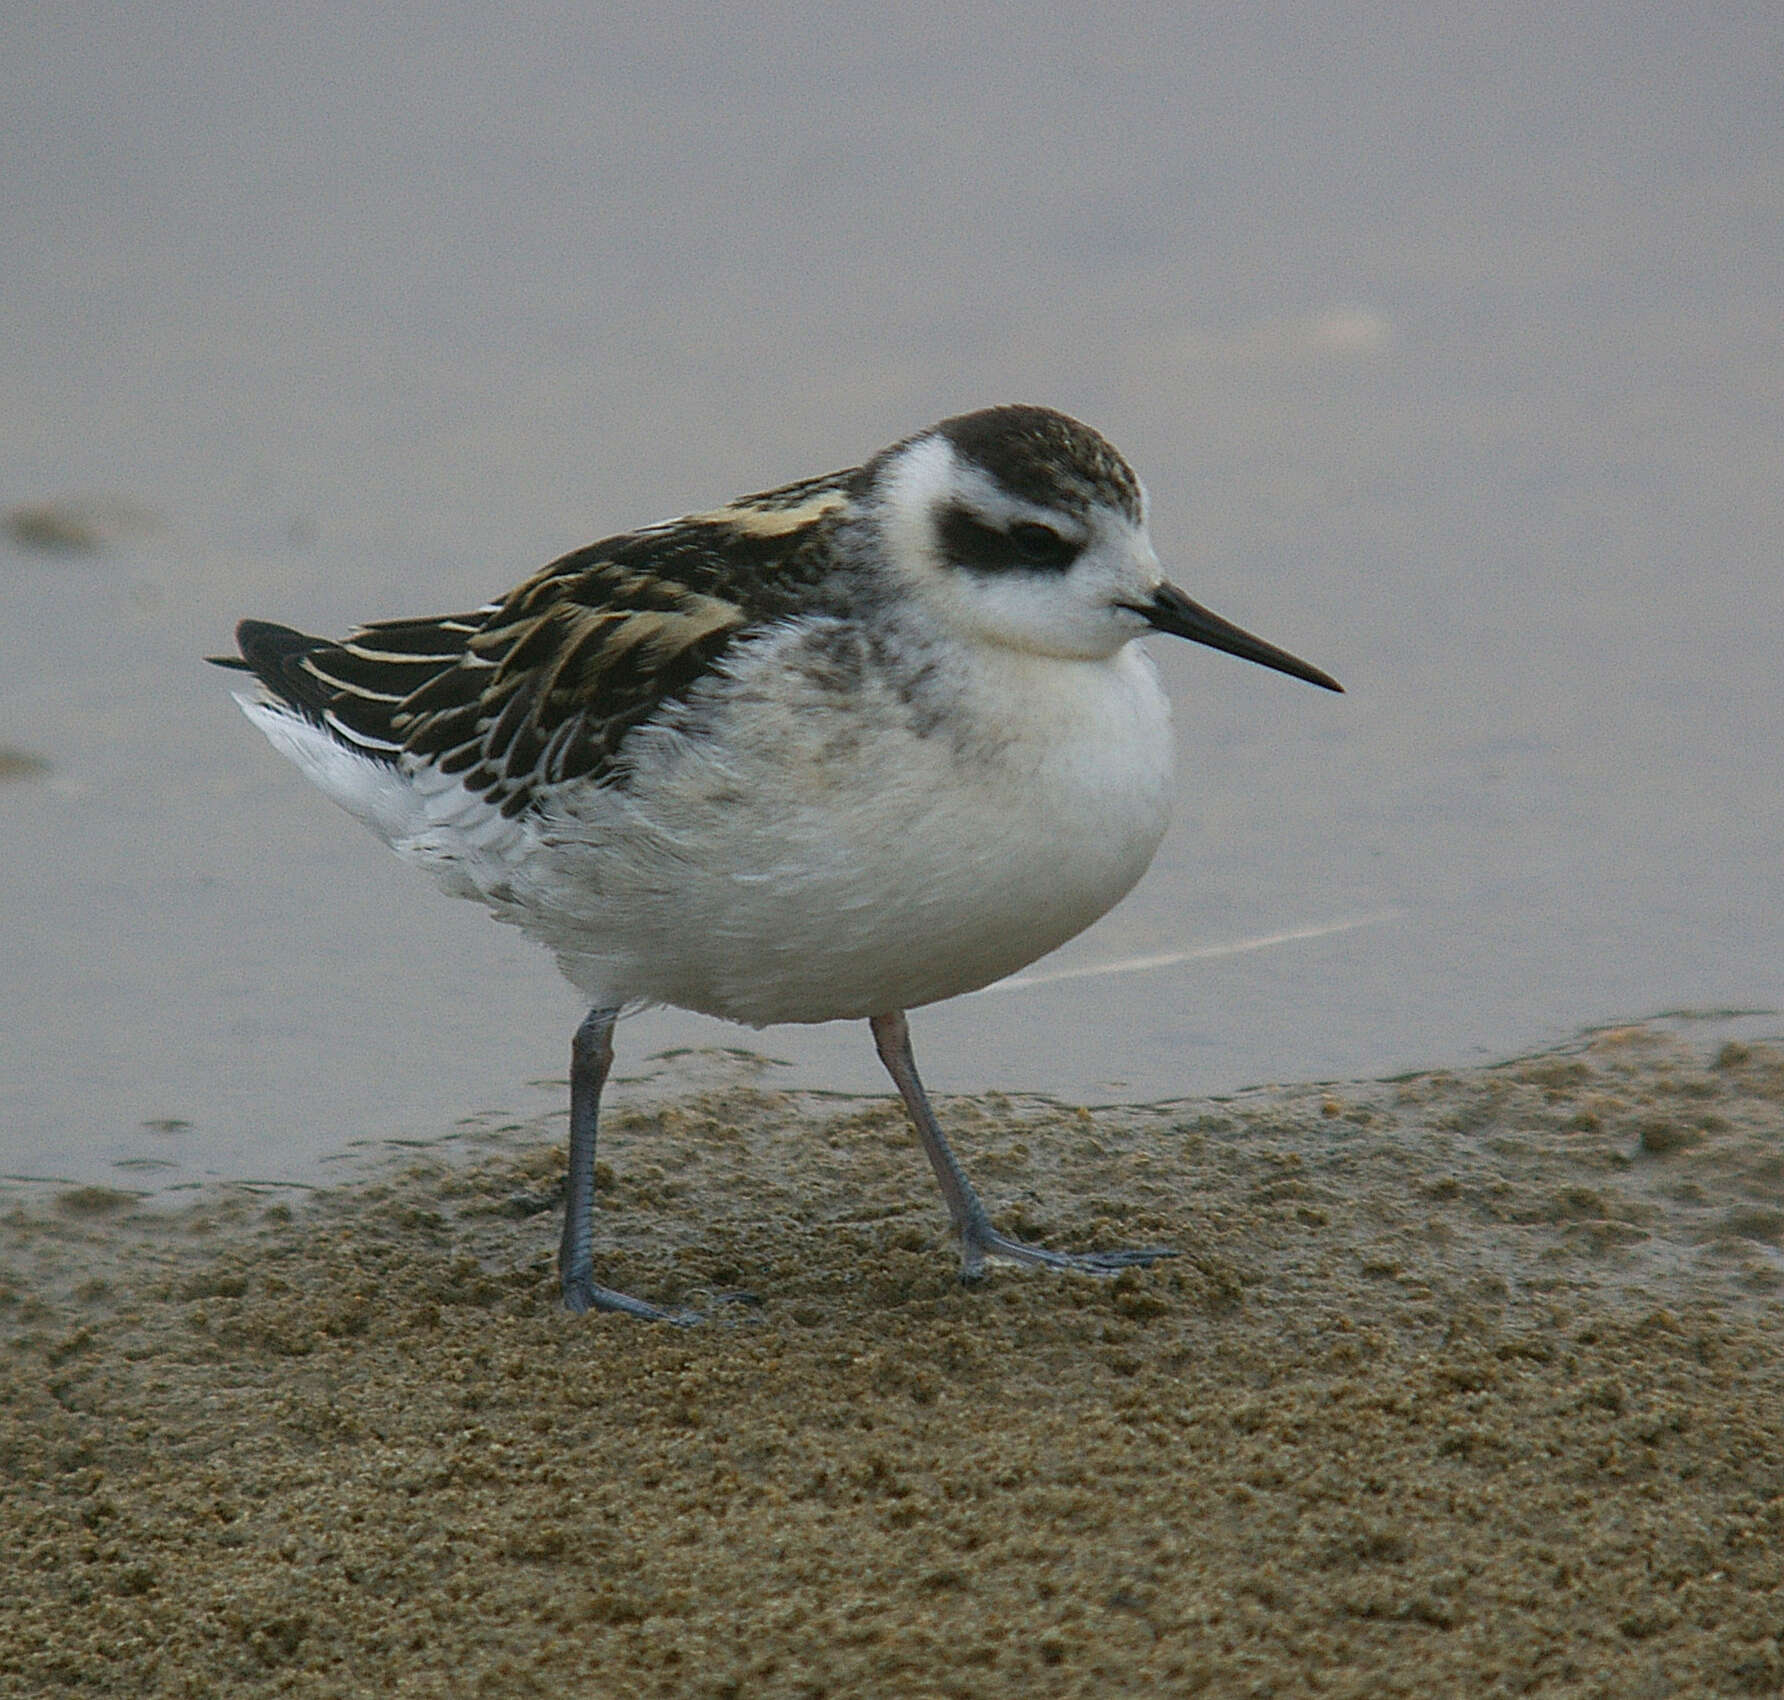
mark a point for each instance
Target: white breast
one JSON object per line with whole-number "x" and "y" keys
{"x": 813, "y": 852}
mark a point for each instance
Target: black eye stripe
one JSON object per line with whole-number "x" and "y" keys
{"x": 1027, "y": 546}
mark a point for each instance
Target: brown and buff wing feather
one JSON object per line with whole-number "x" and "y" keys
{"x": 544, "y": 686}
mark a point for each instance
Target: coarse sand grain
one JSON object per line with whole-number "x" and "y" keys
{"x": 1465, "y": 1383}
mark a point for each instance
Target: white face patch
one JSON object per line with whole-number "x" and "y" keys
{"x": 1071, "y": 612}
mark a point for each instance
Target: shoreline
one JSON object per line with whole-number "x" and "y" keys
{"x": 1465, "y": 1381}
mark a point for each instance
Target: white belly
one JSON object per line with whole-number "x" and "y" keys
{"x": 815, "y": 857}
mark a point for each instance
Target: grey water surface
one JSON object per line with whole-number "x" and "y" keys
{"x": 1448, "y": 340}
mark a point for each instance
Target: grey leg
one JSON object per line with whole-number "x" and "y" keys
{"x": 591, "y": 1056}
{"x": 978, "y": 1238}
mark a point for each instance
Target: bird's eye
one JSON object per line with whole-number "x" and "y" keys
{"x": 1024, "y": 546}
{"x": 1040, "y": 545}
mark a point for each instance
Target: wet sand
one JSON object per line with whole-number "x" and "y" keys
{"x": 1465, "y": 1383}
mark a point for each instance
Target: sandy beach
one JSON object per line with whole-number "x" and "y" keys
{"x": 1464, "y": 1383}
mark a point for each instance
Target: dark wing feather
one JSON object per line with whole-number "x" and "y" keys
{"x": 557, "y": 676}
{"x": 545, "y": 685}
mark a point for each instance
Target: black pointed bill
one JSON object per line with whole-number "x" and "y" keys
{"x": 1171, "y": 611}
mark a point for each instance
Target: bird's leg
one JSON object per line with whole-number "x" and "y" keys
{"x": 978, "y": 1238}
{"x": 591, "y": 1055}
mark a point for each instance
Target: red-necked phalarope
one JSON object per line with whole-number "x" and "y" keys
{"x": 835, "y": 750}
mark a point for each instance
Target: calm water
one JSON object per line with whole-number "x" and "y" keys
{"x": 1450, "y": 350}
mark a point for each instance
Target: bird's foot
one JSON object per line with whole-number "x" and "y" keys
{"x": 582, "y": 1294}
{"x": 983, "y": 1241}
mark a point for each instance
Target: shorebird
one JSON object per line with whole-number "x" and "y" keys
{"x": 832, "y": 751}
